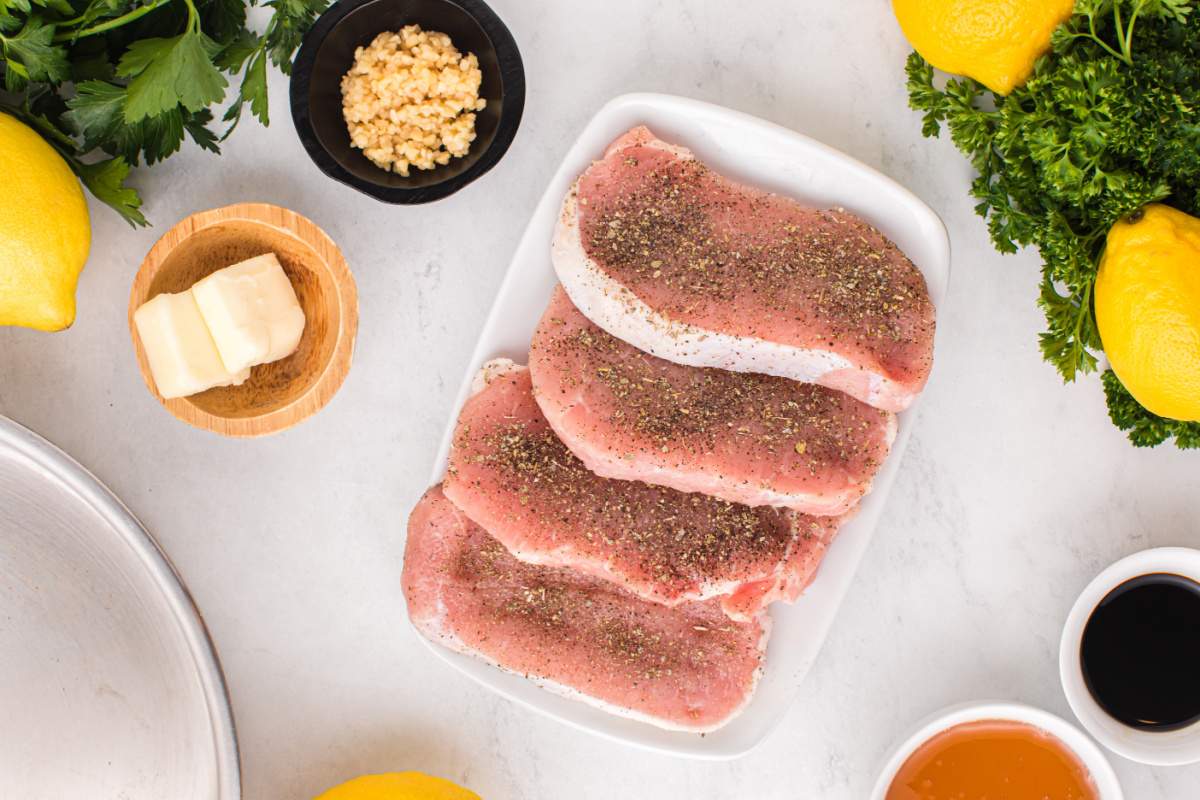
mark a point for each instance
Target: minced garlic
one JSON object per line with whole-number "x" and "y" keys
{"x": 410, "y": 100}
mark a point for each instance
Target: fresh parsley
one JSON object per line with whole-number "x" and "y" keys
{"x": 113, "y": 83}
{"x": 1108, "y": 122}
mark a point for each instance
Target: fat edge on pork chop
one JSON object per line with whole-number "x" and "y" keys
{"x": 683, "y": 263}
{"x": 511, "y": 475}
{"x": 740, "y": 436}
{"x": 687, "y": 667}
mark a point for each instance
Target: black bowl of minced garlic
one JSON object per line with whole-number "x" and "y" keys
{"x": 407, "y": 100}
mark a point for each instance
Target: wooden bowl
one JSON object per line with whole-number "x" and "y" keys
{"x": 286, "y": 392}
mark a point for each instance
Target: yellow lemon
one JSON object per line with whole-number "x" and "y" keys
{"x": 1148, "y": 309}
{"x": 398, "y": 786}
{"x": 44, "y": 231}
{"x": 995, "y": 42}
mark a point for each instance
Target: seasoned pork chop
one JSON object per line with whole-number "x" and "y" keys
{"x": 510, "y": 474}
{"x": 685, "y": 668}
{"x": 692, "y": 267}
{"x": 741, "y": 436}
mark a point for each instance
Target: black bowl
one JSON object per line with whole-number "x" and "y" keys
{"x": 327, "y": 54}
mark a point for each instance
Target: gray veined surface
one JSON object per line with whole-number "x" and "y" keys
{"x": 109, "y": 687}
{"x": 1014, "y": 493}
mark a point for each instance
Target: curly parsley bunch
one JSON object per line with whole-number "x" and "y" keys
{"x": 1108, "y": 122}
{"x": 109, "y": 83}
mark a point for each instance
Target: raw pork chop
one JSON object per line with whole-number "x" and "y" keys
{"x": 510, "y": 474}
{"x": 681, "y": 262}
{"x": 740, "y": 436}
{"x": 684, "y": 668}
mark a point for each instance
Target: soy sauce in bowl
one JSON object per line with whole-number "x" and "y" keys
{"x": 1141, "y": 650}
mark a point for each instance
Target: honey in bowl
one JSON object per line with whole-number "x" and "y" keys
{"x": 993, "y": 760}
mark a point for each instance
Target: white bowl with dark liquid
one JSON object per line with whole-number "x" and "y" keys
{"x": 1161, "y": 747}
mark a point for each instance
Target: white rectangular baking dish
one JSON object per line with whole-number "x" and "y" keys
{"x": 761, "y": 154}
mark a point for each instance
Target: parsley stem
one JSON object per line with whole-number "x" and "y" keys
{"x": 1118, "y": 26}
{"x": 193, "y": 17}
{"x": 1085, "y": 310}
{"x": 1123, "y": 35}
{"x": 1127, "y": 45}
{"x": 110, "y": 24}
{"x": 1101, "y": 42}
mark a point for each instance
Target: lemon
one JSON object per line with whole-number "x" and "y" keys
{"x": 44, "y": 231}
{"x": 1148, "y": 309}
{"x": 996, "y": 42}
{"x": 398, "y": 786}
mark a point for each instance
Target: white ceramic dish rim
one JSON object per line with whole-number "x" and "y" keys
{"x": 1092, "y": 756}
{"x": 54, "y": 464}
{"x": 1158, "y": 748}
{"x": 810, "y": 171}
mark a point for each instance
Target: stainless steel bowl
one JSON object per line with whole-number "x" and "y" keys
{"x": 109, "y": 684}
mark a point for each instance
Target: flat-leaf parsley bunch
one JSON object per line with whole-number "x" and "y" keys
{"x": 1108, "y": 122}
{"x": 110, "y": 83}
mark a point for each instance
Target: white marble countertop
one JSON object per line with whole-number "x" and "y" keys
{"x": 1014, "y": 492}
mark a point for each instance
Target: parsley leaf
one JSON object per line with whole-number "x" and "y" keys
{"x": 152, "y": 138}
{"x": 253, "y": 91}
{"x": 105, "y": 180}
{"x": 1074, "y": 338}
{"x": 233, "y": 56}
{"x": 97, "y": 112}
{"x": 224, "y": 20}
{"x": 167, "y": 73}
{"x": 11, "y": 11}
{"x": 31, "y": 55}
{"x": 1107, "y": 123}
{"x": 112, "y": 84}
{"x": 1144, "y": 428}
{"x": 196, "y": 125}
{"x": 292, "y": 18}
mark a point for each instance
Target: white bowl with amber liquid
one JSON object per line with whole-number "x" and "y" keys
{"x": 1074, "y": 740}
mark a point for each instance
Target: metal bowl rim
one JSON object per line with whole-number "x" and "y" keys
{"x": 79, "y": 481}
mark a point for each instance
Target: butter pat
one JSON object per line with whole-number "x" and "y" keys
{"x": 251, "y": 311}
{"x": 182, "y": 355}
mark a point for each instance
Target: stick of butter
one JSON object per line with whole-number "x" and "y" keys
{"x": 251, "y": 311}
{"x": 183, "y": 357}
